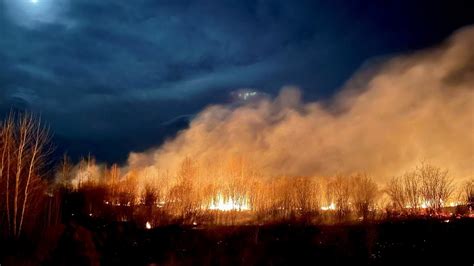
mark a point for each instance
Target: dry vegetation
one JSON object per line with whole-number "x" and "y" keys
{"x": 24, "y": 148}
{"x": 236, "y": 193}
{"x": 230, "y": 192}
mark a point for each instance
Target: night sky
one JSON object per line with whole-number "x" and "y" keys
{"x": 112, "y": 77}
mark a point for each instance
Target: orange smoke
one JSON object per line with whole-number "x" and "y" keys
{"x": 415, "y": 107}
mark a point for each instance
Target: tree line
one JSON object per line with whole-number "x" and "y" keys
{"x": 231, "y": 192}
{"x": 190, "y": 195}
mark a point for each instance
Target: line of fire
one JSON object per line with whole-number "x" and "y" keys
{"x": 228, "y": 193}
{"x": 237, "y": 194}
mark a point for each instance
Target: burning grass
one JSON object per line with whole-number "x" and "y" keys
{"x": 244, "y": 199}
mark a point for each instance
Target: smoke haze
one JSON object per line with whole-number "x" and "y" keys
{"x": 384, "y": 122}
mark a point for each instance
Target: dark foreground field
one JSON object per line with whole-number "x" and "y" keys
{"x": 426, "y": 242}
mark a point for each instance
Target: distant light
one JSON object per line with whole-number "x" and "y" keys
{"x": 34, "y": 1}
{"x": 246, "y": 94}
{"x": 148, "y": 225}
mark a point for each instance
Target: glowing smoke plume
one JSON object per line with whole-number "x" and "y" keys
{"x": 414, "y": 107}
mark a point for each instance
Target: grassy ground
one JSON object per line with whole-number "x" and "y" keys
{"x": 422, "y": 242}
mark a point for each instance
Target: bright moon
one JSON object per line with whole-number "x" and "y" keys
{"x": 36, "y": 13}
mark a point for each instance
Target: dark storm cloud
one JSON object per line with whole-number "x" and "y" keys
{"x": 111, "y": 75}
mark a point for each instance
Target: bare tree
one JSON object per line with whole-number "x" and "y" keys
{"x": 364, "y": 192}
{"x": 405, "y": 192}
{"x": 182, "y": 194}
{"x": 396, "y": 191}
{"x": 25, "y": 147}
{"x": 112, "y": 178}
{"x": 340, "y": 190}
{"x": 426, "y": 187}
{"x": 150, "y": 195}
{"x": 436, "y": 186}
{"x": 412, "y": 191}
{"x": 285, "y": 203}
{"x": 305, "y": 196}
{"x": 469, "y": 192}
{"x": 87, "y": 173}
{"x": 64, "y": 173}
{"x": 6, "y": 162}
{"x": 128, "y": 189}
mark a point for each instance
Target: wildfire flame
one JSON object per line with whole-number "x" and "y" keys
{"x": 330, "y": 207}
{"x": 428, "y": 204}
{"x": 222, "y": 203}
